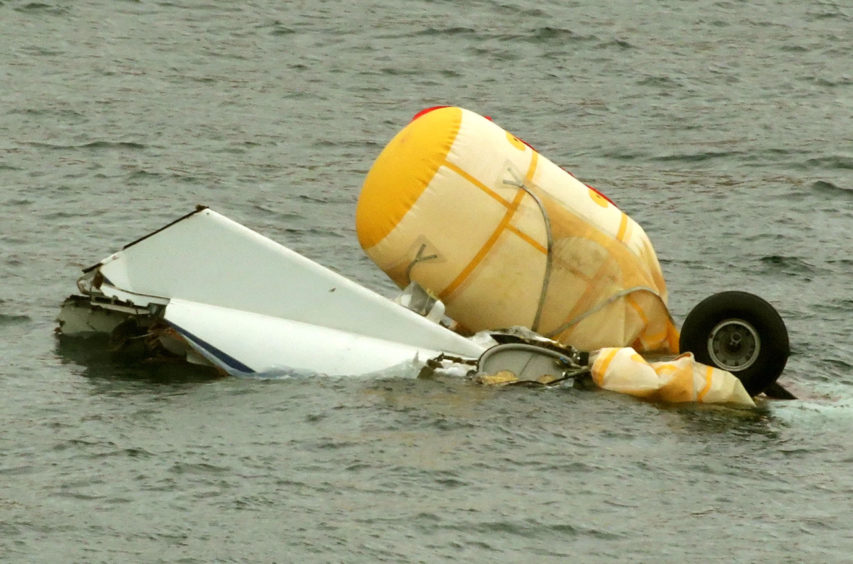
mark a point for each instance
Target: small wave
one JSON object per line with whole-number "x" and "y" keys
{"x": 837, "y": 365}
{"x": 280, "y": 216}
{"x": 282, "y": 30}
{"x": 789, "y": 265}
{"x": 78, "y": 496}
{"x": 831, "y": 161}
{"x": 277, "y": 27}
{"x": 113, "y": 451}
{"x": 623, "y": 154}
{"x": 309, "y": 198}
{"x": 842, "y": 262}
{"x": 830, "y": 189}
{"x": 11, "y": 319}
{"x": 832, "y": 82}
{"x": 825, "y": 11}
{"x": 457, "y": 31}
{"x": 697, "y": 157}
{"x": 41, "y": 51}
{"x": 144, "y": 174}
{"x": 40, "y": 7}
{"x": 21, "y": 470}
{"x": 658, "y": 80}
{"x": 55, "y": 112}
{"x": 92, "y": 145}
{"x": 112, "y": 145}
{"x": 549, "y": 33}
{"x": 125, "y": 452}
{"x": 401, "y": 71}
{"x": 618, "y": 43}
{"x": 197, "y": 468}
{"x": 836, "y": 305}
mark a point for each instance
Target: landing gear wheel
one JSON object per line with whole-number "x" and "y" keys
{"x": 741, "y": 333}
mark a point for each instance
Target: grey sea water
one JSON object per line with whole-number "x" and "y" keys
{"x": 725, "y": 128}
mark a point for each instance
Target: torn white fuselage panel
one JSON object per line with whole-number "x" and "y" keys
{"x": 86, "y": 315}
{"x": 248, "y": 304}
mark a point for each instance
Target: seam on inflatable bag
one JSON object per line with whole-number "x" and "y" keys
{"x": 502, "y": 226}
{"x": 709, "y": 375}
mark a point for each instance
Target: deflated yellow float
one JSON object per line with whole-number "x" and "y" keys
{"x": 677, "y": 380}
{"x": 504, "y": 237}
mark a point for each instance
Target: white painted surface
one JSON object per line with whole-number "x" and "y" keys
{"x": 267, "y": 344}
{"x": 265, "y": 293}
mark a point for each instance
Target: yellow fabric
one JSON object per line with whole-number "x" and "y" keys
{"x": 681, "y": 379}
{"x": 402, "y": 171}
{"x": 453, "y": 203}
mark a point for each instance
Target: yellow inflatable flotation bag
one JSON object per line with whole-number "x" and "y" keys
{"x": 504, "y": 237}
{"x": 677, "y": 380}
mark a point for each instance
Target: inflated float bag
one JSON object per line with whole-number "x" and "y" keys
{"x": 505, "y": 237}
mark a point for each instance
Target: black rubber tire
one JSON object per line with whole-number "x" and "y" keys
{"x": 739, "y": 332}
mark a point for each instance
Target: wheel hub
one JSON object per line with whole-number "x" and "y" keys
{"x": 734, "y": 345}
